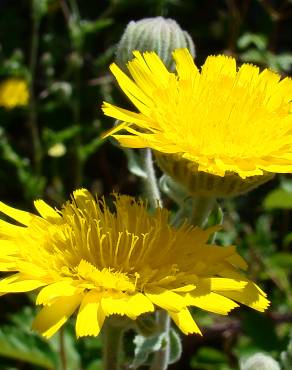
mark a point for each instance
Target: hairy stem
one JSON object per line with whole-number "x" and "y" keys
{"x": 63, "y": 350}
{"x": 152, "y": 189}
{"x": 201, "y": 210}
{"x": 161, "y": 358}
{"x": 112, "y": 346}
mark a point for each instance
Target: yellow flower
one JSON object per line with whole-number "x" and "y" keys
{"x": 220, "y": 119}
{"x": 124, "y": 262}
{"x": 13, "y": 93}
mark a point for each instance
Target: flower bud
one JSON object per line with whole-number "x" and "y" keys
{"x": 259, "y": 361}
{"x": 162, "y": 35}
{"x": 62, "y": 89}
{"x": 57, "y": 150}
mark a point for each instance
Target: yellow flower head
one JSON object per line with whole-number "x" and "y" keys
{"x": 220, "y": 118}
{"x": 13, "y": 93}
{"x": 126, "y": 262}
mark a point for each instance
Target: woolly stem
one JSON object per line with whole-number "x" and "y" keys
{"x": 202, "y": 208}
{"x": 152, "y": 189}
{"x": 112, "y": 346}
{"x": 63, "y": 355}
{"x": 161, "y": 358}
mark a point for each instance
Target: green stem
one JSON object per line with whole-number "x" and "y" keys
{"x": 63, "y": 350}
{"x": 161, "y": 358}
{"x": 32, "y": 115}
{"x": 153, "y": 193}
{"x": 202, "y": 207}
{"x": 74, "y": 9}
{"x": 72, "y": 13}
{"x": 112, "y": 346}
{"x": 78, "y": 162}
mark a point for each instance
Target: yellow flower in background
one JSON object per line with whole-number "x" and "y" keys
{"x": 221, "y": 119}
{"x": 13, "y": 93}
{"x": 98, "y": 262}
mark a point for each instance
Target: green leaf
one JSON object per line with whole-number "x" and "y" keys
{"x": 282, "y": 260}
{"x": 51, "y": 137}
{"x": 287, "y": 239}
{"x": 253, "y": 55}
{"x": 175, "y": 346}
{"x": 27, "y": 347}
{"x": 40, "y": 8}
{"x": 261, "y": 330}
{"x": 95, "y": 26}
{"x": 210, "y": 355}
{"x": 95, "y": 365}
{"x": 285, "y": 61}
{"x": 90, "y": 148}
{"x": 286, "y": 184}
{"x": 32, "y": 185}
{"x": 258, "y": 40}
{"x": 286, "y": 356}
{"x": 145, "y": 346}
{"x": 278, "y": 198}
{"x": 72, "y": 356}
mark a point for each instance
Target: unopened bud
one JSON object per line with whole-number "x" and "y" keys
{"x": 162, "y": 35}
{"x": 57, "y": 150}
{"x": 259, "y": 361}
{"x": 61, "y": 88}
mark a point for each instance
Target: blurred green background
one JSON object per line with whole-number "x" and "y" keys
{"x": 63, "y": 48}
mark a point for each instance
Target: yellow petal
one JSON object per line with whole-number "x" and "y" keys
{"x": 46, "y": 211}
{"x": 138, "y": 304}
{"x": 90, "y": 317}
{"x": 8, "y": 247}
{"x": 8, "y": 230}
{"x": 185, "y": 322}
{"x": 18, "y": 283}
{"x": 238, "y": 261}
{"x": 129, "y": 305}
{"x": 34, "y": 271}
{"x": 223, "y": 284}
{"x": 123, "y": 115}
{"x": 21, "y": 216}
{"x": 157, "y": 69}
{"x": 51, "y": 318}
{"x": 130, "y": 141}
{"x": 7, "y": 266}
{"x": 219, "y": 65}
{"x": 185, "y": 288}
{"x": 250, "y": 296}
{"x": 167, "y": 300}
{"x": 211, "y": 302}
{"x": 134, "y": 93}
{"x": 59, "y": 289}
{"x": 185, "y": 65}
